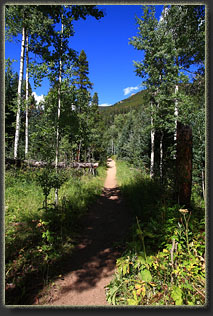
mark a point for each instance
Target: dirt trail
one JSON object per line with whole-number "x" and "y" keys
{"x": 93, "y": 263}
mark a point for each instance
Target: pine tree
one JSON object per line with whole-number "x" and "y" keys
{"x": 83, "y": 99}
{"x": 82, "y": 79}
{"x": 95, "y": 132}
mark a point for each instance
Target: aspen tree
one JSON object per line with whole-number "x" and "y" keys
{"x": 18, "y": 118}
{"x": 59, "y": 109}
{"x": 27, "y": 99}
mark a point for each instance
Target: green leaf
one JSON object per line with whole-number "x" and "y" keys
{"x": 141, "y": 259}
{"x": 124, "y": 269}
{"x": 149, "y": 260}
{"x": 131, "y": 301}
{"x": 177, "y": 295}
{"x": 148, "y": 234}
{"x": 146, "y": 275}
{"x": 112, "y": 294}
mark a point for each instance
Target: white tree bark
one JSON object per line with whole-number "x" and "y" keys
{"x": 203, "y": 184}
{"x": 79, "y": 151}
{"x": 152, "y": 145}
{"x": 27, "y": 99}
{"x": 59, "y": 113}
{"x": 18, "y": 118}
{"x": 161, "y": 156}
{"x": 176, "y": 118}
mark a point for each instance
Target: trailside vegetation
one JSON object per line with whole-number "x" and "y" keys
{"x": 157, "y": 137}
{"x": 38, "y": 235}
{"x": 164, "y": 260}
{"x": 160, "y": 158}
{"x": 40, "y": 230}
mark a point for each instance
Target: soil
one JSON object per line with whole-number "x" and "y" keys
{"x": 92, "y": 266}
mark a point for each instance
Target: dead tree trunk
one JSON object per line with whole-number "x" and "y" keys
{"x": 42, "y": 164}
{"x": 184, "y": 164}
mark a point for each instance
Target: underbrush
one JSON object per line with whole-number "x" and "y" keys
{"x": 37, "y": 238}
{"x": 164, "y": 262}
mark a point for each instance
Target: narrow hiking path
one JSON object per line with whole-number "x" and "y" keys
{"x": 93, "y": 262}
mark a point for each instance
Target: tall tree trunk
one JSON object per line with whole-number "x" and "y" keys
{"x": 89, "y": 154}
{"x": 176, "y": 119}
{"x": 79, "y": 152}
{"x": 203, "y": 183}
{"x": 27, "y": 99}
{"x": 18, "y": 118}
{"x": 161, "y": 157}
{"x": 85, "y": 155}
{"x": 152, "y": 160}
{"x": 184, "y": 164}
{"x": 58, "y": 114}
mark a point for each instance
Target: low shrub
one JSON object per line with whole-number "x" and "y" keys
{"x": 164, "y": 263}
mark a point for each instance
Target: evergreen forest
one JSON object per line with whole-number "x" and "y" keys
{"x": 56, "y": 154}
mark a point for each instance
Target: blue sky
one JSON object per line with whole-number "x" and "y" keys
{"x": 109, "y": 54}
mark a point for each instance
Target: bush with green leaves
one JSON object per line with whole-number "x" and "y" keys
{"x": 164, "y": 263}
{"x": 49, "y": 179}
{"x": 173, "y": 276}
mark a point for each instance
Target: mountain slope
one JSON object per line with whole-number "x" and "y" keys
{"x": 125, "y": 105}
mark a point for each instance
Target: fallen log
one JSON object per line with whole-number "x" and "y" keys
{"x": 19, "y": 162}
{"x": 41, "y": 164}
{"x": 84, "y": 165}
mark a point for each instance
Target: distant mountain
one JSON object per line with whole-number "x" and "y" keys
{"x": 125, "y": 105}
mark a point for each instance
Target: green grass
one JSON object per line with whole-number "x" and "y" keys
{"x": 37, "y": 238}
{"x": 164, "y": 261}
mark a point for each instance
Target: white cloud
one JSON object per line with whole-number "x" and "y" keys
{"x": 130, "y": 89}
{"x": 38, "y": 98}
{"x": 163, "y": 14}
{"x": 105, "y": 104}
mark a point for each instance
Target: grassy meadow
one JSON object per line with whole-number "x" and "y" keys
{"x": 36, "y": 238}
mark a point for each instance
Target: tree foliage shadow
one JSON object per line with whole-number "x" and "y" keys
{"x": 104, "y": 232}
{"x": 99, "y": 241}
{"x": 158, "y": 213}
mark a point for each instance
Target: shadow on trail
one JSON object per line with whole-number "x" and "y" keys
{"x": 104, "y": 229}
